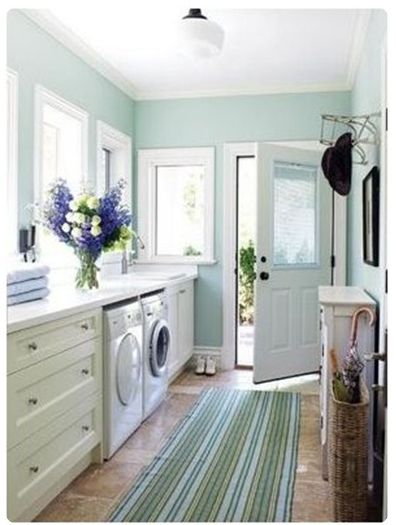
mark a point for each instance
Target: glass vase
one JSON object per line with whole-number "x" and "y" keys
{"x": 87, "y": 274}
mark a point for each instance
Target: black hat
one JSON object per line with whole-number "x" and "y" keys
{"x": 337, "y": 164}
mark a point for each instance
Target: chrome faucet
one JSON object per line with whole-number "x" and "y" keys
{"x": 127, "y": 257}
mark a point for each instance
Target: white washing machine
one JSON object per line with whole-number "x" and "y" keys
{"x": 157, "y": 338}
{"x": 123, "y": 373}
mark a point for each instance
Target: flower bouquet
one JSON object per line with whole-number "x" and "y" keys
{"x": 88, "y": 224}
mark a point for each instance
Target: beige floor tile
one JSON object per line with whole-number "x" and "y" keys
{"x": 71, "y": 507}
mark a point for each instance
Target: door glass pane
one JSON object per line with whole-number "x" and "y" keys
{"x": 295, "y": 214}
{"x": 180, "y": 217}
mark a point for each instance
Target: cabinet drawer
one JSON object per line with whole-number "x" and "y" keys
{"x": 40, "y": 461}
{"x": 43, "y": 391}
{"x": 30, "y": 346}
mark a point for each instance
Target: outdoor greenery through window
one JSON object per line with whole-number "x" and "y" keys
{"x": 180, "y": 210}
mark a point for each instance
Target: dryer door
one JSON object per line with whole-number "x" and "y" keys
{"x": 159, "y": 347}
{"x": 128, "y": 368}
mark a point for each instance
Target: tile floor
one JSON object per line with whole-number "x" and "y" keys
{"x": 98, "y": 489}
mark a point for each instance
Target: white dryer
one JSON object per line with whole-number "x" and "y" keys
{"x": 123, "y": 373}
{"x": 157, "y": 339}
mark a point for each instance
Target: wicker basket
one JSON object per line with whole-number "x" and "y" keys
{"x": 348, "y": 448}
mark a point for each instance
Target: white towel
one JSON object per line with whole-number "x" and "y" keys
{"x": 26, "y": 271}
{"x": 28, "y": 296}
{"x": 26, "y": 286}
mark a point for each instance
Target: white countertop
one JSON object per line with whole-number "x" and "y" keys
{"x": 65, "y": 300}
{"x": 344, "y": 295}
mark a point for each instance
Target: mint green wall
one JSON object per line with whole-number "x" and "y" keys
{"x": 212, "y": 122}
{"x": 38, "y": 58}
{"x": 365, "y": 98}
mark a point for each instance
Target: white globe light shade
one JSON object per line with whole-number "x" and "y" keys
{"x": 200, "y": 38}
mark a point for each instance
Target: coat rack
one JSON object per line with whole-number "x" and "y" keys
{"x": 363, "y": 128}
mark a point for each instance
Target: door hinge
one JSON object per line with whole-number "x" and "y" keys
{"x": 333, "y": 261}
{"x": 386, "y": 281}
{"x": 386, "y": 119}
{"x": 321, "y": 421}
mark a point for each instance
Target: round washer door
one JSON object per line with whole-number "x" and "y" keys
{"x": 128, "y": 368}
{"x": 159, "y": 347}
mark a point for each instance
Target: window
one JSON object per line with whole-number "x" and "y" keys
{"x": 176, "y": 199}
{"x": 12, "y": 162}
{"x": 114, "y": 159}
{"x": 61, "y": 151}
{"x": 295, "y": 214}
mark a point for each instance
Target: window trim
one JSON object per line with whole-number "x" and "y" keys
{"x": 148, "y": 160}
{"x": 45, "y": 96}
{"x": 12, "y": 161}
{"x": 116, "y": 142}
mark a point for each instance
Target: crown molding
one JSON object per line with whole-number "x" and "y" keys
{"x": 359, "y": 33}
{"x": 47, "y": 21}
{"x": 267, "y": 90}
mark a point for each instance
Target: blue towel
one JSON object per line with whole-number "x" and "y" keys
{"x": 28, "y": 296}
{"x": 26, "y": 286}
{"x": 26, "y": 271}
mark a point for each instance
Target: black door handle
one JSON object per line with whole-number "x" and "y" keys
{"x": 264, "y": 276}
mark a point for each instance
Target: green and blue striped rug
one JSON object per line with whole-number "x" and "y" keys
{"x": 232, "y": 459}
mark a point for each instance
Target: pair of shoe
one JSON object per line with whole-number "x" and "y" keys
{"x": 206, "y": 366}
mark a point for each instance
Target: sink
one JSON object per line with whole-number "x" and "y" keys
{"x": 155, "y": 276}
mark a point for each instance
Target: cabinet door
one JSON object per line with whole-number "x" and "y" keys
{"x": 174, "y": 357}
{"x": 186, "y": 321}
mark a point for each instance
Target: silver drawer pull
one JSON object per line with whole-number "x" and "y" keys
{"x": 34, "y": 469}
{"x": 375, "y": 356}
{"x": 84, "y": 326}
{"x": 32, "y": 346}
{"x": 182, "y": 291}
{"x": 85, "y": 428}
{"x": 85, "y": 371}
{"x": 33, "y": 401}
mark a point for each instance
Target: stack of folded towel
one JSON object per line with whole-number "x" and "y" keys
{"x": 27, "y": 282}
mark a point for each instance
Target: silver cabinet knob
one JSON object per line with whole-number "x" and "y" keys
{"x": 85, "y": 428}
{"x": 34, "y": 469}
{"x": 85, "y": 371}
{"x": 84, "y": 326}
{"x": 33, "y": 401}
{"x": 32, "y": 346}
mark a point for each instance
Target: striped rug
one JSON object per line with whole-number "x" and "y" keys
{"x": 233, "y": 458}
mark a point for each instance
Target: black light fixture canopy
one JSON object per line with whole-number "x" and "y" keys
{"x": 195, "y": 13}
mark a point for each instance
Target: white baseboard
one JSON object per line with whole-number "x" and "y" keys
{"x": 206, "y": 351}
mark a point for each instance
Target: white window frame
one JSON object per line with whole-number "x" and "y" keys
{"x": 148, "y": 160}
{"x": 120, "y": 146}
{"x": 12, "y": 162}
{"x": 45, "y": 96}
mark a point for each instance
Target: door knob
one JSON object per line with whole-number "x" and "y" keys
{"x": 263, "y": 259}
{"x": 264, "y": 276}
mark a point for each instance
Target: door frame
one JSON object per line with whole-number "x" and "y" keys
{"x": 231, "y": 153}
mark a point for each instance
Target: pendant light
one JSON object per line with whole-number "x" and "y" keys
{"x": 199, "y": 37}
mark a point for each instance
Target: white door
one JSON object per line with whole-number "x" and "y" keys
{"x": 293, "y": 259}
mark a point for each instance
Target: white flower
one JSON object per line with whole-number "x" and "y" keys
{"x": 79, "y": 218}
{"x": 73, "y": 205}
{"x": 96, "y": 220}
{"x": 76, "y": 233}
{"x": 92, "y": 202}
{"x": 66, "y": 227}
{"x": 70, "y": 216}
{"x": 96, "y": 230}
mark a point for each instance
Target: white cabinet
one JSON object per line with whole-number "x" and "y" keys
{"x": 337, "y": 306}
{"x": 54, "y": 406}
{"x": 181, "y": 321}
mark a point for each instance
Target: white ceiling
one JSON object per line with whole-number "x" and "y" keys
{"x": 265, "y": 50}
